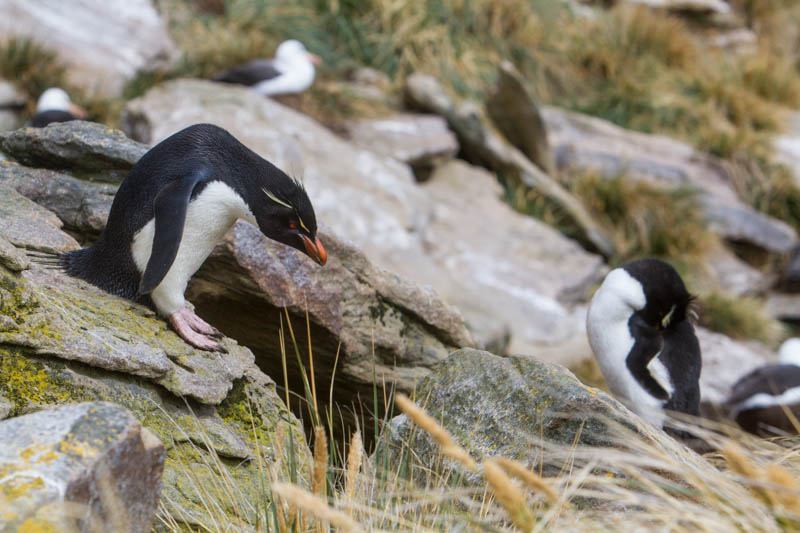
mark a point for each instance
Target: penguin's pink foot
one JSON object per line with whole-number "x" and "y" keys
{"x": 195, "y": 330}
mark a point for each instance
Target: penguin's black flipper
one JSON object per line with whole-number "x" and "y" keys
{"x": 645, "y": 348}
{"x": 171, "y": 204}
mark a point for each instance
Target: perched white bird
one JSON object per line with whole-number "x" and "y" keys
{"x": 291, "y": 71}
{"x": 54, "y": 105}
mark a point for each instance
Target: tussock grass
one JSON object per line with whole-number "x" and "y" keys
{"x": 741, "y": 317}
{"x": 647, "y": 481}
{"x": 645, "y": 220}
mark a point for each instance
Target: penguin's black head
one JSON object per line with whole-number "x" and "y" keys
{"x": 285, "y": 214}
{"x": 666, "y": 298}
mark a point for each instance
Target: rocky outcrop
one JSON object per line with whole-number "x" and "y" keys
{"x": 422, "y": 141}
{"x": 64, "y": 341}
{"x": 85, "y": 467}
{"x": 87, "y": 149}
{"x": 103, "y": 43}
{"x": 514, "y": 407}
{"x": 590, "y": 143}
{"x": 480, "y": 142}
{"x": 374, "y": 202}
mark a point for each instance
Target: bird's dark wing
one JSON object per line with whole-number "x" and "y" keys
{"x": 681, "y": 356}
{"x": 646, "y": 346}
{"x": 43, "y": 118}
{"x": 250, "y": 73}
{"x": 769, "y": 379}
{"x": 171, "y": 204}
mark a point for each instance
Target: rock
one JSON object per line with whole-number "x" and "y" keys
{"x": 784, "y": 306}
{"x": 11, "y": 102}
{"x": 104, "y": 44}
{"x": 724, "y": 362}
{"x": 483, "y": 144}
{"x": 81, "y": 206}
{"x": 380, "y": 324}
{"x": 422, "y": 141}
{"x": 11, "y": 257}
{"x": 398, "y": 227}
{"x": 93, "y": 455}
{"x": 515, "y": 407}
{"x": 594, "y": 144}
{"x": 62, "y": 341}
{"x": 370, "y": 84}
{"x": 723, "y": 271}
{"x": 529, "y": 271}
{"x": 5, "y": 407}
{"x": 87, "y": 149}
{"x": 28, "y": 225}
{"x": 516, "y": 114}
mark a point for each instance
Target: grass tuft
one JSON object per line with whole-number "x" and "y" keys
{"x": 740, "y": 317}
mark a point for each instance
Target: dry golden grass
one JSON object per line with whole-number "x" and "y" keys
{"x": 739, "y": 317}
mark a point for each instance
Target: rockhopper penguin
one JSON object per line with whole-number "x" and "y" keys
{"x": 643, "y": 341}
{"x": 766, "y": 400}
{"x": 172, "y": 209}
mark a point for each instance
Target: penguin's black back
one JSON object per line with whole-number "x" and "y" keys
{"x": 205, "y": 148}
{"x": 43, "y": 118}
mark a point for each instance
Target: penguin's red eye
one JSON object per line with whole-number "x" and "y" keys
{"x": 292, "y": 225}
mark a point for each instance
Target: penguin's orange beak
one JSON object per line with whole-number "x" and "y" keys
{"x": 314, "y": 58}
{"x": 315, "y": 250}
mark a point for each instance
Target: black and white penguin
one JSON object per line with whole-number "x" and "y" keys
{"x": 174, "y": 206}
{"x": 644, "y": 342}
{"x": 291, "y": 71}
{"x": 764, "y": 401}
{"x": 54, "y": 105}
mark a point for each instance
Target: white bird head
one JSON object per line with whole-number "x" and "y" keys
{"x": 293, "y": 51}
{"x": 789, "y": 352}
{"x": 57, "y": 99}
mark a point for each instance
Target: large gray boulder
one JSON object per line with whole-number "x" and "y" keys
{"x": 103, "y": 43}
{"x": 514, "y": 407}
{"x": 373, "y": 202}
{"x": 94, "y": 457}
{"x": 590, "y": 143}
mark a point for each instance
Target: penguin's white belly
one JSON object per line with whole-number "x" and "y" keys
{"x": 208, "y": 217}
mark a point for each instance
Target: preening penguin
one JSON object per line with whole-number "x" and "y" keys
{"x": 175, "y": 205}
{"x": 765, "y": 400}
{"x": 643, "y": 341}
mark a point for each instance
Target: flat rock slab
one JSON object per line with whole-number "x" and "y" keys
{"x": 419, "y": 140}
{"x": 374, "y": 202}
{"x": 104, "y": 43}
{"x": 85, "y": 148}
{"x": 94, "y": 458}
{"x": 81, "y": 206}
{"x": 595, "y": 144}
{"x": 28, "y": 225}
{"x": 58, "y": 315}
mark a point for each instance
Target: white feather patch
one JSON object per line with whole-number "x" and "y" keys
{"x": 209, "y": 216}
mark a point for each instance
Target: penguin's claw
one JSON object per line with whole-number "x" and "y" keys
{"x": 195, "y": 330}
